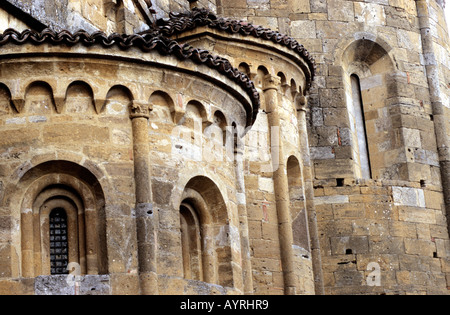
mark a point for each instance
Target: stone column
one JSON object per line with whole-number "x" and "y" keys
{"x": 441, "y": 120}
{"x": 146, "y": 218}
{"x": 271, "y": 86}
{"x": 301, "y": 105}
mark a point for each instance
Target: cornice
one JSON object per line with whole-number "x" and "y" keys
{"x": 151, "y": 40}
{"x": 179, "y": 23}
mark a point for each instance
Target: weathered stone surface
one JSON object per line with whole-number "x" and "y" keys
{"x": 133, "y": 145}
{"x": 71, "y": 285}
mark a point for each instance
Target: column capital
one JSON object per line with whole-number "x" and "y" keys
{"x": 140, "y": 109}
{"x": 271, "y": 82}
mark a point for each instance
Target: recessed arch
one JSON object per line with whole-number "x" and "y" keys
{"x": 366, "y": 55}
{"x": 192, "y": 240}
{"x": 216, "y": 134}
{"x": 205, "y": 199}
{"x": 39, "y": 98}
{"x": 79, "y": 98}
{"x": 195, "y": 116}
{"x": 118, "y": 101}
{"x": 220, "y": 120}
{"x": 245, "y": 68}
{"x": 284, "y": 82}
{"x": 294, "y": 89}
{"x": 261, "y": 74}
{"x": 368, "y": 78}
{"x": 163, "y": 107}
{"x": 353, "y": 40}
{"x": 69, "y": 186}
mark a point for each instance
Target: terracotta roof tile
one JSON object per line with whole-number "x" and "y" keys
{"x": 178, "y": 23}
{"x": 148, "y": 41}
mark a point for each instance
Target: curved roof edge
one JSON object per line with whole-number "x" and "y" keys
{"x": 183, "y": 22}
{"x": 146, "y": 42}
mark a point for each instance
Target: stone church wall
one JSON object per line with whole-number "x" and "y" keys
{"x": 398, "y": 49}
{"x": 311, "y": 195}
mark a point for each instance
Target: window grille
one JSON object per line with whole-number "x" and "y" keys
{"x": 59, "y": 244}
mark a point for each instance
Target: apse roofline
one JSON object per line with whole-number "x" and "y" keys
{"x": 180, "y": 23}
{"x": 146, "y": 43}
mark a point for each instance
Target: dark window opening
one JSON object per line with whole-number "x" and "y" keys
{"x": 59, "y": 243}
{"x": 360, "y": 124}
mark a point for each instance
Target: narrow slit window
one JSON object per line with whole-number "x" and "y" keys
{"x": 59, "y": 243}
{"x": 360, "y": 125}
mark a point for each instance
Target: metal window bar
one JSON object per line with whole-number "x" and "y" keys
{"x": 59, "y": 244}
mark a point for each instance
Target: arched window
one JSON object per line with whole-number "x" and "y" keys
{"x": 191, "y": 243}
{"x": 205, "y": 233}
{"x": 59, "y": 242}
{"x": 62, "y": 221}
{"x": 369, "y": 87}
{"x": 360, "y": 128}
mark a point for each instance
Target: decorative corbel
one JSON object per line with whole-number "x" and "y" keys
{"x": 284, "y": 87}
{"x": 19, "y": 104}
{"x": 206, "y": 123}
{"x": 301, "y": 102}
{"x": 100, "y": 99}
{"x": 59, "y": 101}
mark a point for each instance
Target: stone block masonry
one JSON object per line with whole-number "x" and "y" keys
{"x": 383, "y": 223}
{"x": 197, "y": 149}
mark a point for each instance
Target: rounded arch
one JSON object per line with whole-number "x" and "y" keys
{"x": 364, "y": 55}
{"x": 197, "y": 107}
{"x": 260, "y": 75}
{"x": 118, "y": 100}
{"x": 72, "y": 187}
{"x": 79, "y": 98}
{"x": 295, "y": 89}
{"x": 369, "y": 81}
{"x": 195, "y": 116}
{"x": 295, "y": 183}
{"x": 210, "y": 192}
{"x": 217, "y": 131}
{"x": 220, "y": 120}
{"x": 39, "y": 98}
{"x": 204, "y": 197}
{"x": 163, "y": 106}
{"x": 196, "y": 200}
{"x": 245, "y": 68}
{"x": 284, "y": 82}
{"x": 361, "y": 38}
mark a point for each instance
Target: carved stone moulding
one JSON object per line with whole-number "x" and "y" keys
{"x": 194, "y": 26}
{"x": 134, "y": 61}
